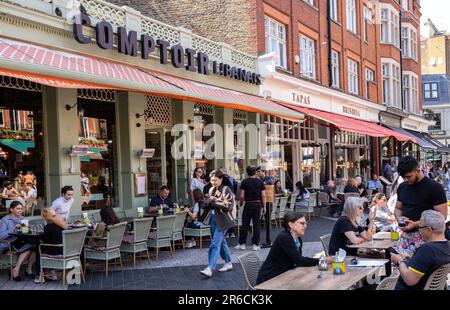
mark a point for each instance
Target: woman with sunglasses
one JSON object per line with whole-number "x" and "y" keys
{"x": 347, "y": 230}
{"x": 286, "y": 251}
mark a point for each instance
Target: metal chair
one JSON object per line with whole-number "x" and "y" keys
{"x": 274, "y": 213}
{"x": 250, "y": 264}
{"x": 324, "y": 199}
{"x": 325, "y": 239}
{"x": 292, "y": 202}
{"x": 72, "y": 246}
{"x": 138, "y": 242}
{"x": 203, "y": 231}
{"x": 312, "y": 202}
{"x": 388, "y": 284}
{"x": 438, "y": 279}
{"x": 164, "y": 226}
{"x": 282, "y": 209}
{"x": 8, "y": 259}
{"x": 114, "y": 236}
{"x": 177, "y": 229}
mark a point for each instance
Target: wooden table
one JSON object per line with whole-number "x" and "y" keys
{"x": 307, "y": 278}
{"x": 378, "y": 245}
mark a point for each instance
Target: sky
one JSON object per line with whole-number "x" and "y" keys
{"x": 438, "y": 11}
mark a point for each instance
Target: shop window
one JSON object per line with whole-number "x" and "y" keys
{"x": 99, "y": 167}
{"x": 307, "y": 165}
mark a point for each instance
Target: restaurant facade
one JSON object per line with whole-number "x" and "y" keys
{"x": 109, "y": 93}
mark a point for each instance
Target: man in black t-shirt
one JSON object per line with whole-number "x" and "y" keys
{"x": 435, "y": 253}
{"x": 417, "y": 194}
{"x": 267, "y": 180}
{"x": 253, "y": 193}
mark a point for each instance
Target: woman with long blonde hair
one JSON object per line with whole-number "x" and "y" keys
{"x": 347, "y": 230}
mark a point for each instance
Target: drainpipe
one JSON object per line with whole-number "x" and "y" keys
{"x": 330, "y": 65}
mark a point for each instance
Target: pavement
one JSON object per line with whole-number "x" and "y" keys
{"x": 177, "y": 271}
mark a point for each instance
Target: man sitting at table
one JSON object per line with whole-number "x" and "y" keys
{"x": 63, "y": 204}
{"x": 414, "y": 273}
{"x": 336, "y": 203}
{"x": 161, "y": 199}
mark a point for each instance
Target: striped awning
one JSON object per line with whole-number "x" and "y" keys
{"x": 69, "y": 70}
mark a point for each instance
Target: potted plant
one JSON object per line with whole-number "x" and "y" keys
{"x": 364, "y": 163}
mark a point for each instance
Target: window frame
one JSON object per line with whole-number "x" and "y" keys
{"x": 334, "y": 10}
{"x": 335, "y": 69}
{"x": 281, "y": 42}
{"x": 307, "y": 57}
{"x": 352, "y": 16}
{"x": 353, "y": 76}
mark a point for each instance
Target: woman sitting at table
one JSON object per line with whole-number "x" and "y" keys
{"x": 108, "y": 217}
{"x": 55, "y": 224}
{"x": 286, "y": 251}
{"x": 347, "y": 231}
{"x": 351, "y": 187}
{"x": 302, "y": 195}
{"x": 9, "y": 224}
{"x": 192, "y": 215}
{"x": 279, "y": 191}
{"x": 380, "y": 214}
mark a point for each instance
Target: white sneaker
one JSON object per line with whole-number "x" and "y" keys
{"x": 190, "y": 244}
{"x": 207, "y": 272}
{"x": 256, "y": 247}
{"x": 226, "y": 267}
{"x": 240, "y": 247}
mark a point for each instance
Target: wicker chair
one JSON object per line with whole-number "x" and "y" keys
{"x": 177, "y": 229}
{"x": 8, "y": 259}
{"x": 203, "y": 231}
{"x": 72, "y": 246}
{"x": 325, "y": 239}
{"x": 282, "y": 209}
{"x": 309, "y": 209}
{"x": 438, "y": 279}
{"x": 250, "y": 264}
{"x": 114, "y": 237}
{"x": 138, "y": 242}
{"x": 164, "y": 227}
{"x": 388, "y": 284}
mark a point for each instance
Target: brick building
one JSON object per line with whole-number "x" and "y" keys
{"x": 368, "y": 70}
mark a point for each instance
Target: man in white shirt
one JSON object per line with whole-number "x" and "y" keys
{"x": 63, "y": 204}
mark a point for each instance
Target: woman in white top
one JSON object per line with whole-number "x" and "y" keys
{"x": 197, "y": 181}
{"x": 380, "y": 214}
{"x": 302, "y": 195}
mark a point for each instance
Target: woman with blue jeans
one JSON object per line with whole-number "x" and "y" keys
{"x": 221, "y": 201}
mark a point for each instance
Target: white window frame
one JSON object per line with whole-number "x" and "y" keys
{"x": 391, "y": 88}
{"x": 334, "y": 10}
{"x": 335, "y": 69}
{"x": 310, "y": 2}
{"x": 431, "y": 90}
{"x": 351, "y": 16}
{"x": 307, "y": 57}
{"x": 405, "y": 5}
{"x": 409, "y": 41}
{"x": 407, "y": 91}
{"x": 390, "y": 28}
{"x": 368, "y": 18}
{"x": 370, "y": 77}
{"x": 415, "y": 93}
{"x": 275, "y": 34}
{"x": 353, "y": 76}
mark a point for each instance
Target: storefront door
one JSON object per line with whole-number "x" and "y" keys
{"x": 160, "y": 166}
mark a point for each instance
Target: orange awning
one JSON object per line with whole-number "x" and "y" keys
{"x": 350, "y": 124}
{"x": 68, "y": 70}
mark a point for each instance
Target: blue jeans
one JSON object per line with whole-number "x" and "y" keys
{"x": 218, "y": 246}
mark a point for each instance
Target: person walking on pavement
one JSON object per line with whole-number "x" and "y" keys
{"x": 253, "y": 193}
{"x": 267, "y": 180}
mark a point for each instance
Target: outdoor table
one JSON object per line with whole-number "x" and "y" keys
{"x": 311, "y": 278}
{"x": 382, "y": 235}
{"x": 30, "y": 237}
{"x": 378, "y": 245}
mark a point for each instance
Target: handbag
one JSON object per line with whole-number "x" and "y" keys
{"x": 205, "y": 216}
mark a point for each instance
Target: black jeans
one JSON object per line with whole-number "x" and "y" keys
{"x": 252, "y": 212}
{"x": 269, "y": 207}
